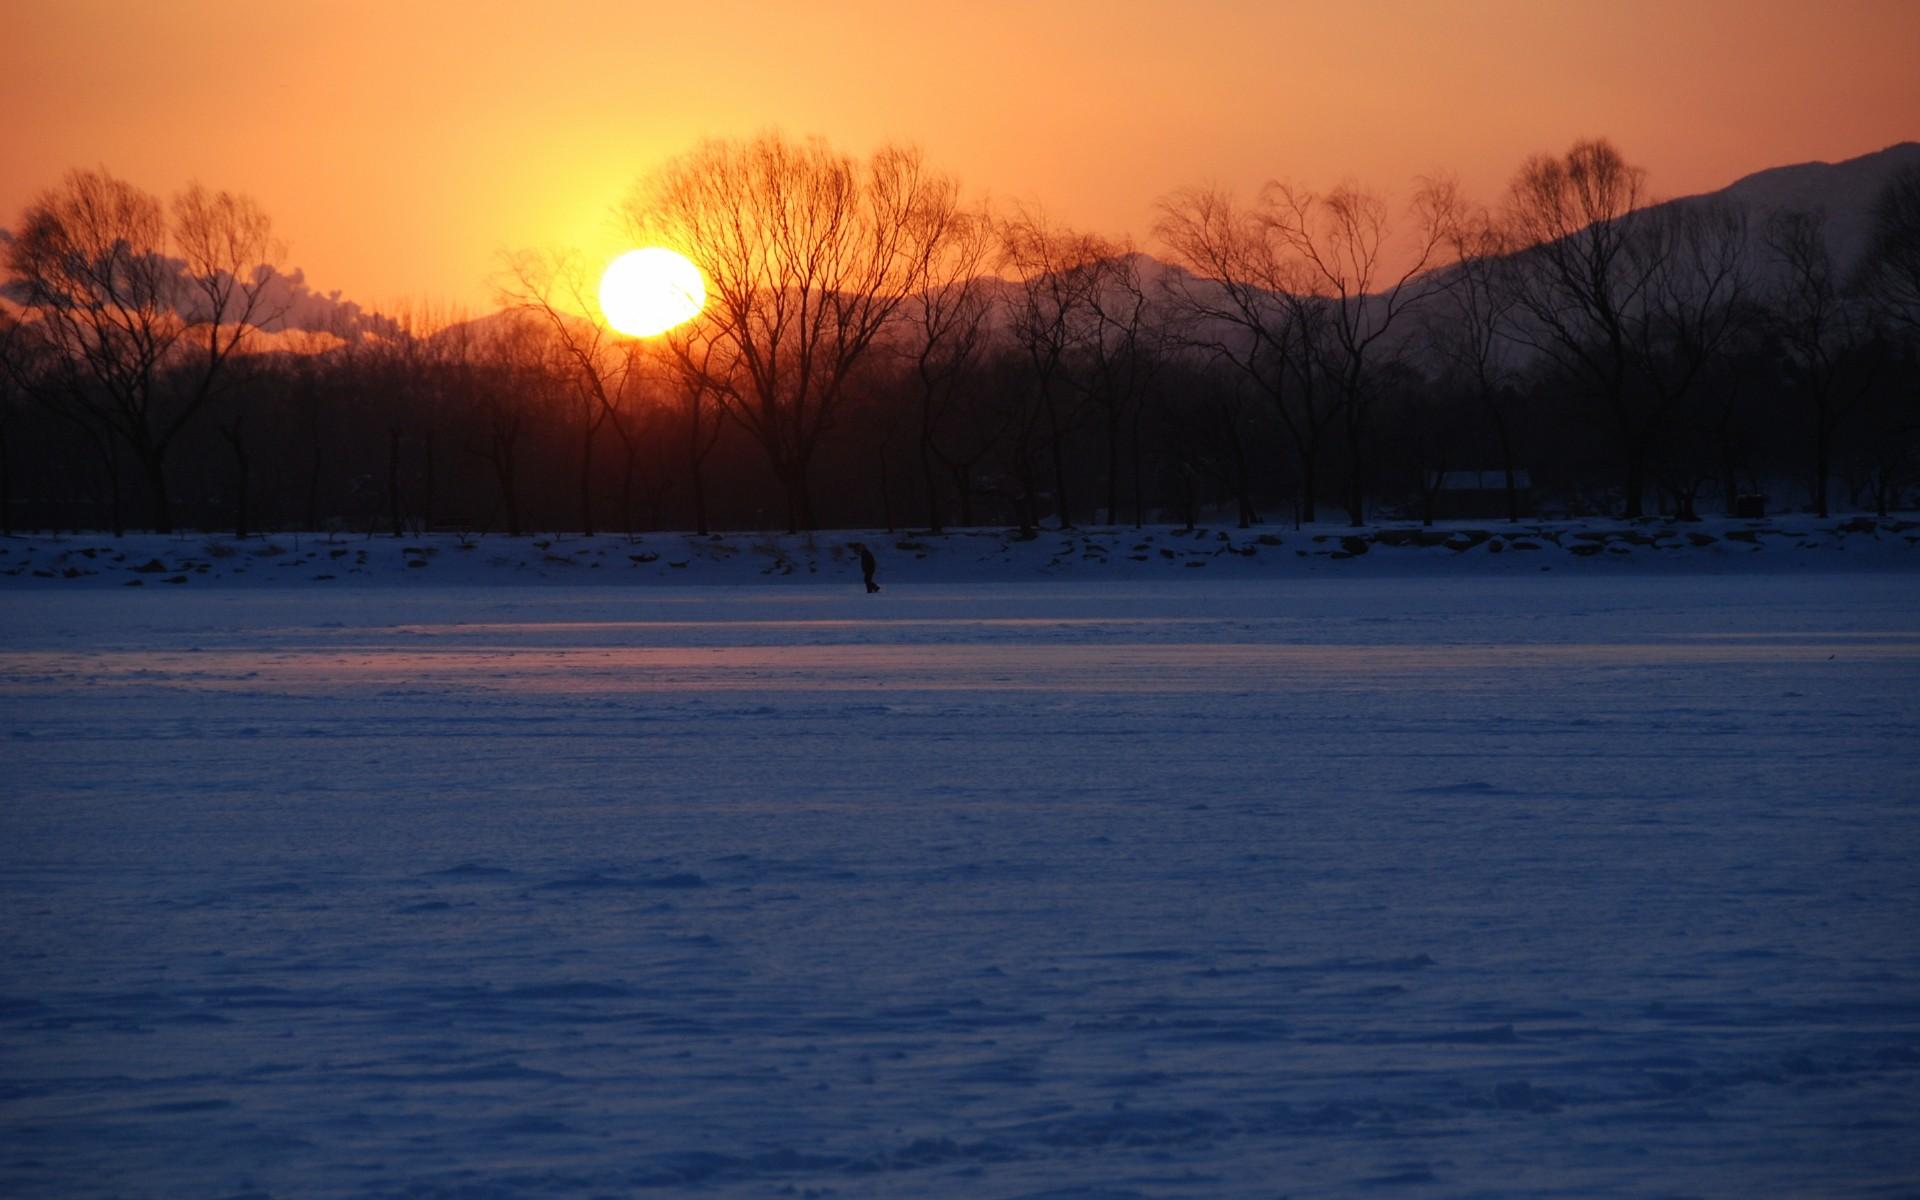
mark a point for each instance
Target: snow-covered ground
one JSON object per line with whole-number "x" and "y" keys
{"x": 1106, "y": 555}
{"x": 1418, "y": 873}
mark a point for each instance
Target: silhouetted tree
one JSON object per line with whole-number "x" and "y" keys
{"x": 1200, "y": 417}
{"x": 808, "y": 256}
{"x": 554, "y": 289}
{"x": 510, "y": 373}
{"x": 1891, "y": 277}
{"x": 1469, "y": 331}
{"x": 1341, "y": 239}
{"x": 1823, "y": 335}
{"x": 1123, "y": 353}
{"x": 1891, "y": 268}
{"x": 1635, "y": 306}
{"x": 1579, "y": 284}
{"x": 945, "y": 328}
{"x": 699, "y": 371}
{"x": 1242, "y": 298}
{"x": 1698, "y": 302}
{"x": 1051, "y": 310}
{"x": 143, "y": 310}
{"x": 973, "y": 421}
{"x": 392, "y": 371}
{"x": 19, "y": 348}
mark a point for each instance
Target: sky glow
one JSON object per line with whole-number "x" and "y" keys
{"x": 401, "y": 148}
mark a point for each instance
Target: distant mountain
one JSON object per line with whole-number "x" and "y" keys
{"x": 1845, "y": 191}
{"x": 493, "y": 326}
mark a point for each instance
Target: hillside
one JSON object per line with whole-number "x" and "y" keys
{"x": 1845, "y": 191}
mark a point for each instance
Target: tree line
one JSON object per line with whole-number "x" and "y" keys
{"x": 877, "y": 351}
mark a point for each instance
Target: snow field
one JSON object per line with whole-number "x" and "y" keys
{"x": 1510, "y": 884}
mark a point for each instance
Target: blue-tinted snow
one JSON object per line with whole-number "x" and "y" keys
{"x": 1504, "y": 883}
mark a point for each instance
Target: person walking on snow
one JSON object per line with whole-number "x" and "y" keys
{"x": 867, "y": 564}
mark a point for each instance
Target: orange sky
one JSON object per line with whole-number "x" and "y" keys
{"x": 400, "y": 145}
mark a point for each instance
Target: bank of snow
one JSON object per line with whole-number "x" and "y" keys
{"x": 1843, "y": 543}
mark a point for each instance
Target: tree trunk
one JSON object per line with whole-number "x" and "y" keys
{"x": 426, "y": 492}
{"x": 1027, "y": 503}
{"x": 963, "y": 488}
{"x": 1505, "y": 438}
{"x": 1430, "y": 493}
{"x": 1113, "y": 465}
{"x": 699, "y": 481}
{"x": 629, "y": 464}
{"x": 1822, "y": 456}
{"x": 1058, "y": 453}
{"x": 394, "y": 519}
{"x": 1636, "y": 483}
{"x": 111, "y": 462}
{"x": 154, "y": 463}
{"x": 242, "y": 474}
{"x": 586, "y": 482}
{"x": 799, "y": 496}
{"x": 1139, "y": 483}
{"x": 1308, "y": 485}
{"x": 1356, "y": 467}
{"x": 313, "y": 488}
{"x": 926, "y": 469}
{"x": 1242, "y": 479}
{"x": 6, "y": 482}
{"x": 886, "y": 492}
{"x": 503, "y": 472}
{"x": 791, "y": 494}
{"x": 1730, "y": 475}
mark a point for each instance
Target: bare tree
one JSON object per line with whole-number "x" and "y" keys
{"x": 1699, "y": 300}
{"x": 315, "y": 391}
{"x": 1200, "y": 426}
{"x": 1891, "y": 270}
{"x": 398, "y": 368}
{"x": 1581, "y": 284}
{"x": 1343, "y": 241}
{"x": 700, "y": 372}
{"x": 1051, "y": 313}
{"x": 1240, "y": 298}
{"x": 808, "y": 257}
{"x": 1470, "y": 332}
{"x": 1124, "y": 351}
{"x": 554, "y": 289}
{"x": 945, "y": 328}
{"x": 20, "y": 367}
{"x": 1823, "y": 334}
{"x": 512, "y": 369}
{"x": 1890, "y": 274}
{"x": 144, "y": 312}
{"x": 448, "y": 353}
{"x": 16, "y": 347}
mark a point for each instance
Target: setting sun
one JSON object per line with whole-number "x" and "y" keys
{"x": 646, "y": 292}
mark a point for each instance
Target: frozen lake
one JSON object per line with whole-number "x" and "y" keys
{"x": 1453, "y": 886}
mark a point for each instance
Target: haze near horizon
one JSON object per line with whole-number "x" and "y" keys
{"x": 400, "y": 151}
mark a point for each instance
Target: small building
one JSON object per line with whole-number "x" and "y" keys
{"x": 1480, "y": 495}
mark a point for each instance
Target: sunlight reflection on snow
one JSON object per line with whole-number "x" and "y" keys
{"x": 522, "y": 665}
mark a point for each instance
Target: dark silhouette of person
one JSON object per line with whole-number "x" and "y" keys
{"x": 867, "y": 565}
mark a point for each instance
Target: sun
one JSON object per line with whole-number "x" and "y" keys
{"x": 645, "y": 292}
